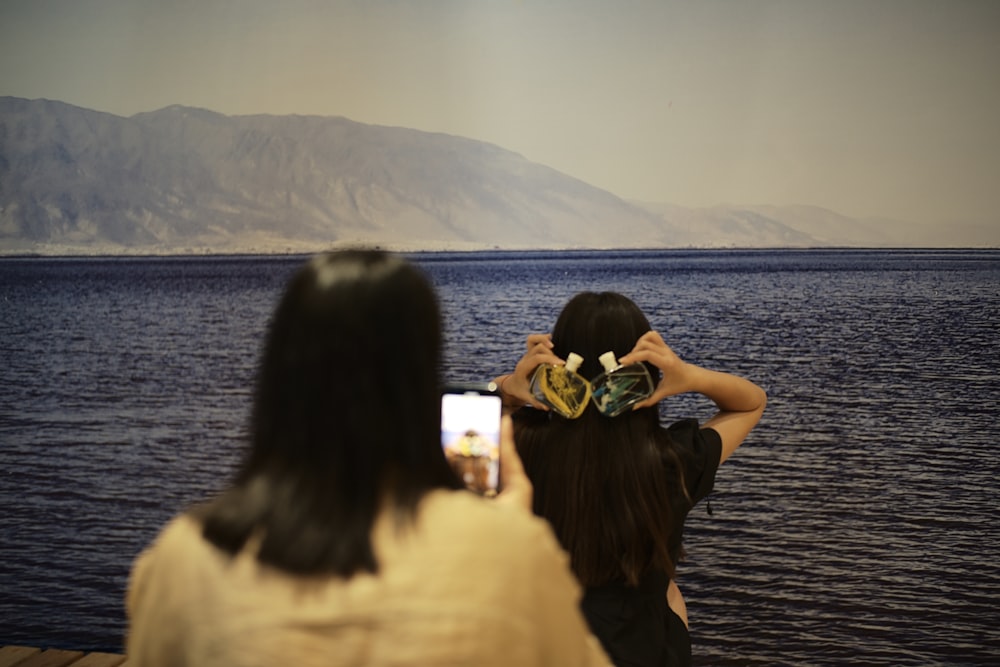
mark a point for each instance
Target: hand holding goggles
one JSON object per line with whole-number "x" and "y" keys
{"x": 614, "y": 391}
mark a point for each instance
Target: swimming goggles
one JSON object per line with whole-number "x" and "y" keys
{"x": 612, "y": 392}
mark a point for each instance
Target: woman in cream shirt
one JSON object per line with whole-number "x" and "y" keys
{"x": 345, "y": 538}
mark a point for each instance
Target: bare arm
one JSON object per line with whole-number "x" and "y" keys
{"x": 740, "y": 402}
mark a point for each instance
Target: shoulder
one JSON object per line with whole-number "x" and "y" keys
{"x": 511, "y": 539}
{"x": 466, "y": 513}
{"x": 689, "y": 437}
{"x": 698, "y": 453}
{"x": 166, "y": 577}
{"x": 179, "y": 537}
{"x": 485, "y": 580}
{"x": 178, "y": 551}
{"x": 511, "y": 554}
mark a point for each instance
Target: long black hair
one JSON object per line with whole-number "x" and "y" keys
{"x": 346, "y": 416}
{"x": 605, "y": 484}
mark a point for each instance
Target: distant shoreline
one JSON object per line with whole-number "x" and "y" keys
{"x": 492, "y": 251}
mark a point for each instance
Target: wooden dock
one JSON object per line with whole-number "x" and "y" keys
{"x": 29, "y": 656}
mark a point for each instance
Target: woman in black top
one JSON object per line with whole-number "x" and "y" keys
{"x": 617, "y": 489}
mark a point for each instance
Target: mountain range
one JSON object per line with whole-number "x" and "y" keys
{"x": 186, "y": 180}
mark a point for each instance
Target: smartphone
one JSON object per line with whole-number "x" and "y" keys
{"x": 470, "y": 435}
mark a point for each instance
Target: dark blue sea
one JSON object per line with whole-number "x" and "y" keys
{"x": 858, "y": 525}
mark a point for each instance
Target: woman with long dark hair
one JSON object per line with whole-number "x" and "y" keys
{"x": 617, "y": 489}
{"x": 345, "y": 537}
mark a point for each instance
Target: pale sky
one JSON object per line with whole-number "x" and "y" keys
{"x": 873, "y": 108}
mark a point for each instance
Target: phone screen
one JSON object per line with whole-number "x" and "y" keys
{"x": 470, "y": 435}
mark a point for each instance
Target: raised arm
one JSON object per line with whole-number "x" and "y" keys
{"x": 740, "y": 402}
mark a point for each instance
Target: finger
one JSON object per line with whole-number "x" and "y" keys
{"x": 651, "y": 337}
{"x": 641, "y": 354}
{"x": 516, "y": 488}
{"x": 545, "y": 356}
{"x": 508, "y": 449}
{"x": 654, "y": 336}
{"x": 649, "y": 346}
{"x": 537, "y": 355}
{"x": 654, "y": 398}
{"x": 539, "y": 339}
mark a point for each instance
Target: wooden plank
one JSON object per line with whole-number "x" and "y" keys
{"x": 12, "y": 655}
{"x": 100, "y": 660}
{"x": 52, "y": 657}
{"x": 30, "y": 656}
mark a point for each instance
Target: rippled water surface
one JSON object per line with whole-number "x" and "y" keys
{"x": 857, "y": 526}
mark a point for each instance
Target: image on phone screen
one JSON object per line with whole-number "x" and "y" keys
{"x": 470, "y": 435}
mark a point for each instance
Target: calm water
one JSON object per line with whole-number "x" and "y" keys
{"x": 857, "y": 526}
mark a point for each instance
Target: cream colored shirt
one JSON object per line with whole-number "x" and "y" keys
{"x": 471, "y": 583}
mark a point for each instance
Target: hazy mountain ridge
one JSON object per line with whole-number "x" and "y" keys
{"x": 181, "y": 179}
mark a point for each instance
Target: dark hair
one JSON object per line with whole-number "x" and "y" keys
{"x": 603, "y": 483}
{"x": 591, "y": 324}
{"x": 346, "y": 416}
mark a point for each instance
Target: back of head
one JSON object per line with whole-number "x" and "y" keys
{"x": 349, "y": 376}
{"x": 346, "y": 412}
{"x": 601, "y": 482}
{"x": 591, "y": 324}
